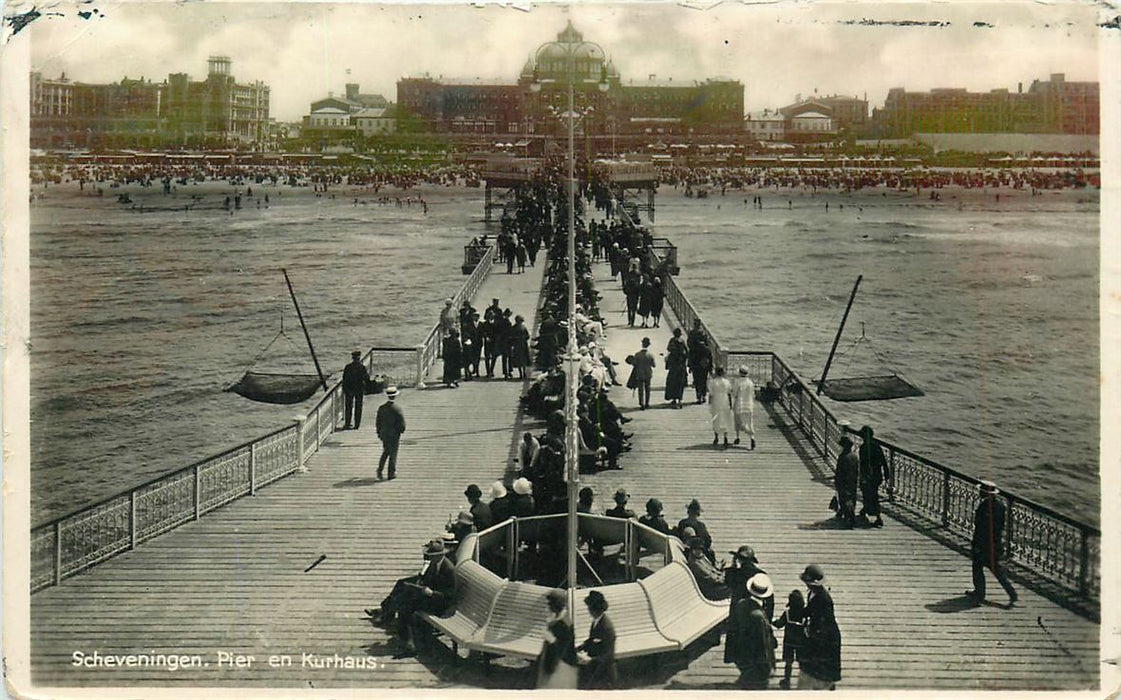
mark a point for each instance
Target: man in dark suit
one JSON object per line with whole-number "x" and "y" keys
{"x": 355, "y": 378}
{"x": 987, "y": 546}
{"x": 390, "y": 424}
{"x": 431, "y": 590}
{"x": 643, "y": 371}
{"x": 599, "y": 647}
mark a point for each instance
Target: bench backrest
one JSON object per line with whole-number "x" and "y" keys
{"x": 673, "y": 593}
{"x": 519, "y": 612}
{"x": 477, "y": 589}
{"x": 628, "y": 608}
{"x": 603, "y": 529}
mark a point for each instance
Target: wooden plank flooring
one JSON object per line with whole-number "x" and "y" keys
{"x": 235, "y": 581}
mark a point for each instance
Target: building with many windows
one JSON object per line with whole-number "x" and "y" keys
{"x": 607, "y": 107}
{"x": 217, "y": 111}
{"x": 1054, "y": 106}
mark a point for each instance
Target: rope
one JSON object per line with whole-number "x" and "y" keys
{"x": 280, "y": 334}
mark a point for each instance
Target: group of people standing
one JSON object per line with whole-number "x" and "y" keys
{"x": 864, "y": 471}
{"x": 468, "y": 339}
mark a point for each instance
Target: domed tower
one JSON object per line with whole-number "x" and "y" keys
{"x": 588, "y": 59}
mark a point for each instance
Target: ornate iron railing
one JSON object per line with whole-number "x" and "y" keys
{"x": 429, "y": 351}
{"x": 1049, "y": 544}
{"x": 73, "y": 543}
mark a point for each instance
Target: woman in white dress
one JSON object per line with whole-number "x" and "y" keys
{"x": 743, "y": 406}
{"x": 720, "y": 405}
{"x": 557, "y": 662}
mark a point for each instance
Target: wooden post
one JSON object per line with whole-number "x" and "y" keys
{"x": 299, "y": 420}
{"x": 945, "y": 498}
{"x": 307, "y": 336}
{"x": 198, "y": 493}
{"x": 1084, "y": 565}
{"x": 132, "y": 519}
{"x": 420, "y": 366}
{"x": 57, "y": 552}
{"x": 252, "y": 469}
{"x": 512, "y": 549}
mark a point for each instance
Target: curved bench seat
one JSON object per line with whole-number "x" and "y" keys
{"x": 680, "y": 611}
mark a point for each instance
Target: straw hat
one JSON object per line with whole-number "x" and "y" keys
{"x": 743, "y": 370}
{"x": 760, "y": 587}
{"x": 465, "y": 518}
{"x": 987, "y": 486}
{"x": 497, "y": 490}
{"x": 522, "y": 486}
{"x": 435, "y": 548}
{"x": 391, "y": 393}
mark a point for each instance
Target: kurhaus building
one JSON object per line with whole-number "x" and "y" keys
{"x": 607, "y": 108}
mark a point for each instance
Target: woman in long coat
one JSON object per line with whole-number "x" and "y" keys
{"x": 657, "y": 299}
{"x": 677, "y": 362}
{"x": 720, "y": 404}
{"x": 453, "y": 359}
{"x": 557, "y": 662}
{"x": 644, "y": 299}
{"x": 820, "y": 665}
{"x": 518, "y": 339}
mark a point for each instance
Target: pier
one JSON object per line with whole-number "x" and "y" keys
{"x": 284, "y": 569}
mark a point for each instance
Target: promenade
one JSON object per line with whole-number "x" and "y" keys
{"x": 236, "y": 581}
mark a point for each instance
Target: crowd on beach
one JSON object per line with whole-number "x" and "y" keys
{"x": 856, "y": 179}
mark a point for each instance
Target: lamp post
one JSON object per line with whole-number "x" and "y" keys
{"x": 570, "y": 44}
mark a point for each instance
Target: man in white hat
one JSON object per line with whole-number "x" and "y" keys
{"x": 988, "y": 544}
{"x": 751, "y": 642}
{"x": 390, "y": 425}
{"x": 431, "y": 590}
{"x": 449, "y": 317}
{"x": 743, "y": 405}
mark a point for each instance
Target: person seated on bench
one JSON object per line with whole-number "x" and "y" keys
{"x": 710, "y": 579}
{"x": 693, "y": 520}
{"x": 621, "y": 510}
{"x": 654, "y": 518}
{"x": 431, "y": 590}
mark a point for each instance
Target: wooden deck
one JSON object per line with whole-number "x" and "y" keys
{"x": 235, "y": 581}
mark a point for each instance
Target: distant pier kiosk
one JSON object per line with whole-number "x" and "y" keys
{"x": 505, "y": 175}
{"x": 631, "y": 182}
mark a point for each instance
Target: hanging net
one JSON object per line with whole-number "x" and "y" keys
{"x": 878, "y": 387}
{"x": 268, "y": 387}
{"x": 277, "y": 387}
{"x": 870, "y": 388}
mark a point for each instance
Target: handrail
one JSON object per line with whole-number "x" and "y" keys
{"x": 1055, "y": 546}
{"x": 71, "y": 543}
{"x": 429, "y": 351}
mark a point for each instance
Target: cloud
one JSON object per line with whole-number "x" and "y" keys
{"x": 303, "y": 50}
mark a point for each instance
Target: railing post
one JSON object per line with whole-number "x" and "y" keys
{"x": 512, "y": 549}
{"x": 132, "y": 519}
{"x": 198, "y": 493}
{"x": 1009, "y": 527}
{"x": 318, "y": 434}
{"x": 253, "y": 469}
{"x": 57, "y": 552}
{"x": 300, "y": 420}
{"x": 945, "y": 498}
{"x": 420, "y": 366}
{"x": 1084, "y": 565}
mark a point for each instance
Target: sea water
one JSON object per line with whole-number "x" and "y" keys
{"x": 140, "y": 319}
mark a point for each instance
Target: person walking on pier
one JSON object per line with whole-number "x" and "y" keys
{"x": 642, "y": 372}
{"x": 988, "y": 544}
{"x": 743, "y": 406}
{"x": 819, "y": 668}
{"x": 720, "y": 405}
{"x": 453, "y": 359}
{"x": 677, "y": 362}
{"x": 517, "y": 346}
{"x": 557, "y": 663}
{"x": 355, "y": 378}
{"x": 845, "y": 478}
{"x": 700, "y": 359}
{"x": 599, "y": 647}
{"x": 874, "y": 471}
{"x": 390, "y": 425}
{"x": 751, "y": 642}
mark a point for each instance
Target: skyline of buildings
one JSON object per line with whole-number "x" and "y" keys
{"x": 220, "y": 112}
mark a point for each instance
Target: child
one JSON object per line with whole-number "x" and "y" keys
{"x": 793, "y": 618}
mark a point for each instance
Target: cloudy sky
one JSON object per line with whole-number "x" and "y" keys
{"x": 305, "y": 50}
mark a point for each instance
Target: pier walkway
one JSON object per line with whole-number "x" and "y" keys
{"x": 235, "y": 581}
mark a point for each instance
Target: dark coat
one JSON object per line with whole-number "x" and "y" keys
{"x": 845, "y": 478}
{"x": 482, "y": 516}
{"x": 355, "y": 377}
{"x": 750, "y": 643}
{"x": 517, "y": 343}
{"x": 600, "y": 646}
{"x": 656, "y": 522}
{"x": 390, "y": 421}
{"x": 677, "y": 359}
{"x": 822, "y": 657}
{"x": 453, "y": 358}
{"x": 501, "y": 509}
{"x": 988, "y": 529}
{"x": 562, "y": 648}
{"x": 440, "y": 577}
